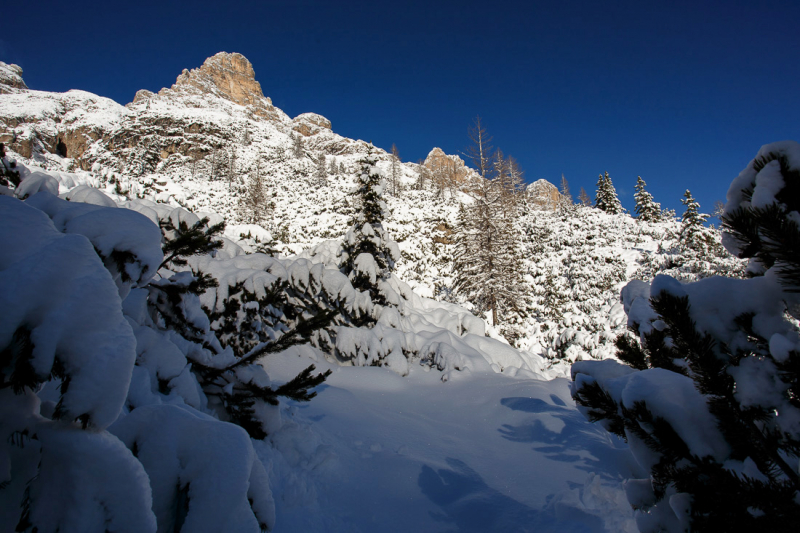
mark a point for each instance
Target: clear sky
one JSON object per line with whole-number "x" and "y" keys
{"x": 682, "y": 93}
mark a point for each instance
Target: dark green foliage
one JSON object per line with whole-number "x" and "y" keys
{"x": 16, "y": 370}
{"x": 9, "y": 176}
{"x": 770, "y": 237}
{"x": 606, "y": 198}
{"x": 280, "y": 319}
{"x": 188, "y": 241}
{"x": 767, "y": 234}
{"x": 367, "y": 234}
{"x": 720, "y": 498}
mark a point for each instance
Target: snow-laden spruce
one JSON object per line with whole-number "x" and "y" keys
{"x": 708, "y": 397}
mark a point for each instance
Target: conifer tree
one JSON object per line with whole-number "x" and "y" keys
{"x": 297, "y": 146}
{"x": 584, "y": 199}
{"x": 606, "y": 198}
{"x": 423, "y": 175}
{"x": 488, "y": 241}
{"x": 564, "y": 190}
{"x": 694, "y": 236}
{"x": 646, "y": 209}
{"x": 321, "y": 174}
{"x": 724, "y": 456}
{"x": 253, "y": 204}
{"x": 370, "y": 253}
{"x": 9, "y": 176}
{"x": 395, "y": 176}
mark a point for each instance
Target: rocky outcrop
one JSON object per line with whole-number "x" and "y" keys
{"x": 543, "y": 195}
{"x": 446, "y": 170}
{"x": 213, "y": 110}
{"x": 224, "y": 75}
{"x": 11, "y": 79}
{"x": 309, "y": 124}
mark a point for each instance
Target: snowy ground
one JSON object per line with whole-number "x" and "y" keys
{"x": 381, "y": 452}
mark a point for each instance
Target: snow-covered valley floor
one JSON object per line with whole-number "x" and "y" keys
{"x": 381, "y": 452}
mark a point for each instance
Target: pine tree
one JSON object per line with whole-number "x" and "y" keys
{"x": 423, "y": 175}
{"x": 694, "y": 236}
{"x": 297, "y": 146}
{"x": 606, "y": 198}
{"x": 333, "y": 170}
{"x": 726, "y": 350}
{"x": 321, "y": 174}
{"x": 370, "y": 253}
{"x": 9, "y": 176}
{"x": 254, "y": 206}
{"x": 230, "y": 175}
{"x": 646, "y": 209}
{"x": 395, "y": 176}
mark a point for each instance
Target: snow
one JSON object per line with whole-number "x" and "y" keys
{"x": 56, "y": 287}
{"x": 214, "y": 462}
{"x": 482, "y": 453}
{"x": 431, "y": 420}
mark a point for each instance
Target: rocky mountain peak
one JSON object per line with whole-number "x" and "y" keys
{"x": 225, "y": 75}
{"x": 11, "y": 79}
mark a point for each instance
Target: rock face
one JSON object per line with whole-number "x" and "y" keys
{"x": 446, "y": 169}
{"x": 11, "y": 79}
{"x": 209, "y": 112}
{"x": 544, "y": 195}
{"x": 309, "y": 124}
{"x": 224, "y": 75}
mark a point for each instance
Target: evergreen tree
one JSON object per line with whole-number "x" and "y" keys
{"x": 297, "y": 146}
{"x": 321, "y": 174}
{"x": 646, "y": 209}
{"x": 9, "y": 176}
{"x": 333, "y": 170}
{"x": 606, "y": 198}
{"x": 254, "y": 206}
{"x": 694, "y": 236}
{"x": 370, "y": 253}
{"x": 230, "y": 175}
{"x": 713, "y": 380}
{"x": 395, "y": 176}
{"x": 423, "y": 175}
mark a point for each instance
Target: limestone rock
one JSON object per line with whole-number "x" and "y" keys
{"x": 446, "y": 170}
{"x": 544, "y": 195}
{"x": 309, "y": 124}
{"x": 11, "y": 79}
{"x": 224, "y": 75}
{"x": 142, "y": 95}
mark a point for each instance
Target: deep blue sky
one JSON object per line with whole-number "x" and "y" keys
{"x": 681, "y": 93}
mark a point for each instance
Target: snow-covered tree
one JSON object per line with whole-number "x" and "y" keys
{"x": 606, "y": 198}
{"x": 254, "y": 206}
{"x": 394, "y": 178}
{"x": 370, "y": 253}
{"x": 298, "y": 150}
{"x": 646, "y": 208}
{"x": 110, "y": 377}
{"x": 708, "y": 397}
{"x": 487, "y": 257}
{"x": 566, "y": 196}
{"x": 694, "y": 236}
{"x": 9, "y": 176}
{"x": 321, "y": 174}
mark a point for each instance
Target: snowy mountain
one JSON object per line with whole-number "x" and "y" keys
{"x": 433, "y": 418}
